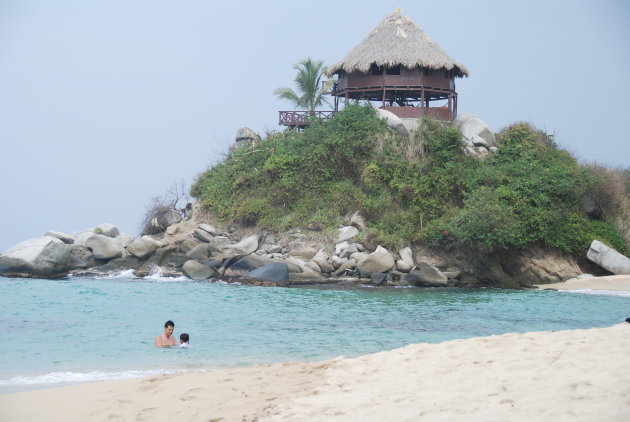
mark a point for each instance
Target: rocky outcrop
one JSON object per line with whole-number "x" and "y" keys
{"x": 202, "y": 250}
{"x": 276, "y": 271}
{"x": 198, "y": 271}
{"x": 39, "y": 257}
{"x": 608, "y": 258}
{"x": 393, "y": 122}
{"x": 477, "y": 136}
{"x": 143, "y": 247}
{"x": 64, "y": 237}
{"x": 107, "y": 229}
{"x": 244, "y": 136}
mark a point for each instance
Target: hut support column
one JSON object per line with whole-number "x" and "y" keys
{"x": 455, "y": 106}
{"x": 384, "y": 93}
{"x": 450, "y": 106}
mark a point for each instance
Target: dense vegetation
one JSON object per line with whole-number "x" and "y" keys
{"x": 419, "y": 190}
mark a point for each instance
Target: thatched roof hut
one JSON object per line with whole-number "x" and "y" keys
{"x": 397, "y": 40}
{"x": 401, "y": 67}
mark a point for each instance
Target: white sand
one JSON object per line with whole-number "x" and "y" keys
{"x": 576, "y": 375}
{"x": 611, "y": 282}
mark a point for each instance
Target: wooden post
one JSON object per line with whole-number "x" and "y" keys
{"x": 422, "y": 97}
{"x": 450, "y": 106}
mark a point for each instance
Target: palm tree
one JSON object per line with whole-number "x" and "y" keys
{"x": 308, "y": 81}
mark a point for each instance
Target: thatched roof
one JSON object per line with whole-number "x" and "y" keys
{"x": 397, "y": 40}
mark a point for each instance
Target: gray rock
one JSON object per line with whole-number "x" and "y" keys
{"x": 306, "y": 278}
{"x": 321, "y": 259}
{"x": 313, "y": 266}
{"x": 246, "y": 134}
{"x": 608, "y": 258}
{"x": 402, "y": 266}
{"x": 124, "y": 240}
{"x": 393, "y": 122}
{"x": 275, "y": 271}
{"x": 66, "y": 238}
{"x": 244, "y": 137}
{"x": 162, "y": 220}
{"x": 198, "y": 271}
{"x": 199, "y": 252}
{"x": 245, "y": 246}
{"x": 203, "y": 235}
{"x": 42, "y": 256}
{"x": 246, "y": 264}
{"x": 378, "y": 278}
{"x": 209, "y": 229}
{"x": 358, "y": 220}
{"x": 406, "y": 255}
{"x": 218, "y": 244}
{"x": 81, "y": 257}
{"x": 470, "y": 125}
{"x": 379, "y": 261}
{"x": 107, "y": 229}
{"x": 142, "y": 247}
{"x": 346, "y": 233}
{"x": 82, "y": 236}
{"x": 188, "y": 244}
{"x": 336, "y": 261}
{"x": 300, "y": 250}
{"x": 426, "y": 275}
{"x": 104, "y": 247}
{"x": 478, "y": 141}
{"x": 270, "y": 239}
{"x": 341, "y": 246}
{"x": 359, "y": 256}
{"x": 271, "y": 249}
{"x": 347, "y": 266}
{"x": 349, "y": 250}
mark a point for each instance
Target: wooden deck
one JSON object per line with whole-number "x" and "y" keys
{"x": 299, "y": 119}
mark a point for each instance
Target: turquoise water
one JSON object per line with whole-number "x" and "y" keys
{"x": 61, "y": 331}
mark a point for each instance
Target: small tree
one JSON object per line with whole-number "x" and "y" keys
{"x": 311, "y": 92}
{"x": 159, "y": 211}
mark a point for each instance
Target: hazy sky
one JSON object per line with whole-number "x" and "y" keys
{"x": 106, "y": 103}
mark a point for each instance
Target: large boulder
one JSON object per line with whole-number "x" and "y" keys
{"x": 199, "y": 252}
{"x": 64, "y": 237}
{"x": 426, "y": 275}
{"x": 208, "y": 229}
{"x": 474, "y": 131}
{"x": 203, "y": 235}
{"x": 104, "y": 247}
{"x": 107, "y": 229}
{"x": 393, "y": 122}
{"x": 379, "y": 261}
{"x": 198, "y": 271}
{"x": 274, "y": 271}
{"x": 406, "y": 255}
{"x": 608, "y": 258}
{"x": 39, "y": 257}
{"x": 246, "y": 265}
{"x": 82, "y": 236}
{"x": 244, "y": 136}
{"x": 346, "y": 233}
{"x": 161, "y": 220}
{"x": 245, "y": 246}
{"x": 301, "y": 250}
{"x": 142, "y": 247}
{"x": 321, "y": 259}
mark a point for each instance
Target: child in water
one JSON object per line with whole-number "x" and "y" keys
{"x": 183, "y": 340}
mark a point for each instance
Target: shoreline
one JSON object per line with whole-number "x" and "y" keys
{"x": 606, "y": 283}
{"x": 551, "y": 375}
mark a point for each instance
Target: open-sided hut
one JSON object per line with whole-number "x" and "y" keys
{"x": 399, "y": 67}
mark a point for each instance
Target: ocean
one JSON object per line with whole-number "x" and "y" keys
{"x": 59, "y": 332}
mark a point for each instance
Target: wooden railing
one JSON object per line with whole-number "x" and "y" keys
{"x": 301, "y": 118}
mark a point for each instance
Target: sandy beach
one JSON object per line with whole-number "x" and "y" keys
{"x": 611, "y": 283}
{"x": 573, "y": 375}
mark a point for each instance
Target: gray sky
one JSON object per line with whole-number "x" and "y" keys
{"x": 106, "y": 103}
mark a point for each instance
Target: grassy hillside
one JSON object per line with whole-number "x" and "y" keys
{"x": 420, "y": 190}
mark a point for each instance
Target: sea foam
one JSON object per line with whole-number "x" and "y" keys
{"x": 72, "y": 377}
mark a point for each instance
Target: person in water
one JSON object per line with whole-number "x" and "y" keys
{"x": 166, "y": 339}
{"x": 184, "y": 340}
